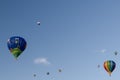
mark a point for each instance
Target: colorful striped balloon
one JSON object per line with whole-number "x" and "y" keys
{"x": 109, "y": 66}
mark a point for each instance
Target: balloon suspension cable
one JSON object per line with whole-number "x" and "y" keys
{"x": 110, "y": 74}
{"x": 16, "y": 59}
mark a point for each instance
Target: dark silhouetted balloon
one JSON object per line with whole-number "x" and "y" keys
{"x": 48, "y": 73}
{"x": 98, "y": 66}
{"x": 59, "y": 70}
{"x": 34, "y": 75}
{"x": 115, "y": 52}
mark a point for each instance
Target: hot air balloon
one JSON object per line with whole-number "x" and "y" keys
{"x": 115, "y": 52}
{"x": 59, "y": 70}
{"x": 47, "y": 73}
{"x": 109, "y": 66}
{"x": 38, "y": 23}
{"x": 16, "y": 45}
{"x": 34, "y": 75}
{"x": 98, "y": 66}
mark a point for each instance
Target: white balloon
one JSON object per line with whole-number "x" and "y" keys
{"x": 38, "y": 23}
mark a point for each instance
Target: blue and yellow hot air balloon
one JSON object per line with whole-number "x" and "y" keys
{"x": 16, "y": 45}
{"x": 109, "y": 66}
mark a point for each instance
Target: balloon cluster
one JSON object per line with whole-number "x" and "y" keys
{"x": 17, "y": 44}
{"x": 48, "y": 73}
{"x": 109, "y": 65}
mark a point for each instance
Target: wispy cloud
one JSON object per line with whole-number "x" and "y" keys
{"x": 103, "y": 50}
{"x": 41, "y": 61}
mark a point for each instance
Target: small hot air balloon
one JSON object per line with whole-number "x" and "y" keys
{"x": 115, "y": 52}
{"x": 98, "y": 66}
{"x": 34, "y": 75}
{"x": 16, "y": 45}
{"x": 38, "y": 23}
{"x": 59, "y": 70}
{"x": 47, "y": 73}
{"x": 109, "y": 66}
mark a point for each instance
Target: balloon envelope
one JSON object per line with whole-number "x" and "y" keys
{"x": 34, "y": 75}
{"x": 16, "y": 45}
{"x": 115, "y": 52}
{"x": 38, "y": 23}
{"x": 60, "y": 70}
{"x": 98, "y": 66}
{"x": 47, "y": 73}
{"x": 109, "y": 66}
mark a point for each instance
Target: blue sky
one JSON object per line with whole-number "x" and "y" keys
{"x": 74, "y": 35}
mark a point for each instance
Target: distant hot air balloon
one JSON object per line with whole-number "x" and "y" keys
{"x": 115, "y": 52}
{"x": 38, "y": 23}
{"x": 47, "y": 73}
{"x": 34, "y": 75}
{"x": 98, "y": 66}
{"x": 59, "y": 70}
{"x": 16, "y": 45}
{"x": 109, "y": 66}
